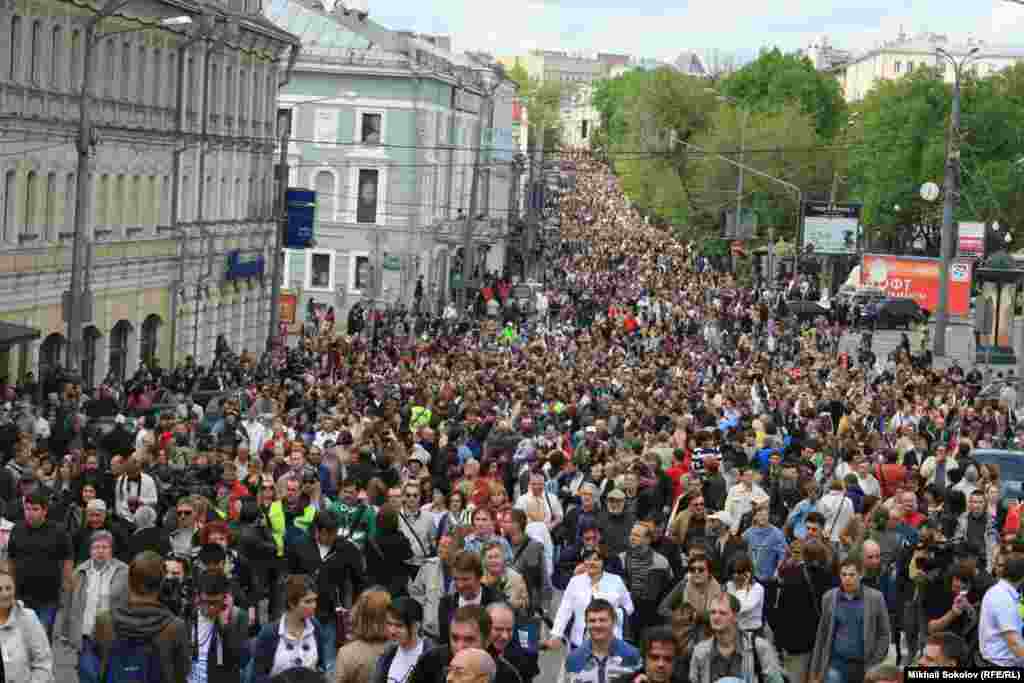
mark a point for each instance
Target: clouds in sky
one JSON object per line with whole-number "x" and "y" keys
{"x": 650, "y": 28}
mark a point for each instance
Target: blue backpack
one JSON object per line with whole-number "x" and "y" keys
{"x": 132, "y": 661}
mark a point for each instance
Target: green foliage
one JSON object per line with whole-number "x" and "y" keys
{"x": 904, "y": 130}
{"x": 774, "y": 81}
{"x": 542, "y": 100}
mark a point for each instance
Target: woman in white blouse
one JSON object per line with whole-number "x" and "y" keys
{"x": 590, "y": 583}
{"x": 750, "y": 594}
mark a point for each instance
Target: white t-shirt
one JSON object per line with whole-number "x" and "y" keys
{"x": 404, "y": 661}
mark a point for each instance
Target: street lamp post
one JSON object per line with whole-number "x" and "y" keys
{"x": 745, "y": 112}
{"x": 491, "y": 82}
{"x": 761, "y": 174}
{"x": 76, "y": 302}
{"x": 950, "y": 185}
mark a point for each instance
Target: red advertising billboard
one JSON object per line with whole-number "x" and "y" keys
{"x": 918, "y": 278}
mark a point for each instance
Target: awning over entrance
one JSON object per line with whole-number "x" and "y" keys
{"x": 11, "y": 334}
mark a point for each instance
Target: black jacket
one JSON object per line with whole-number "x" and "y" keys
{"x": 387, "y": 562}
{"x": 449, "y": 603}
{"x": 154, "y": 538}
{"x": 337, "y": 575}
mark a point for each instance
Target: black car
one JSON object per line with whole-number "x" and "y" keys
{"x": 899, "y": 312}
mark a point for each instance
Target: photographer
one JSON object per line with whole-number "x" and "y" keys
{"x": 951, "y": 600}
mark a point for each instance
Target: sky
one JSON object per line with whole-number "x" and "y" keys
{"x": 663, "y": 29}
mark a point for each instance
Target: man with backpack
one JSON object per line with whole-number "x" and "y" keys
{"x": 143, "y": 640}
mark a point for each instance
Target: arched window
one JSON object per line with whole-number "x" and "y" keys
{"x": 120, "y": 338}
{"x": 130, "y": 202}
{"x": 49, "y": 229}
{"x": 117, "y": 207}
{"x": 70, "y": 194}
{"x": 102, "y": 212}
{"x": 126, "y": 71}
{"x": 325, "y": 195}
{"x": 172, "y": 79}
{"x": 36, "y": 53}
{"x": 141, "y": 75}
{"x": 75, "y": 63}
{"x": 15, "y": 49}
{"x": 90, "y": 342}
{"x": 153, "y": 205}
{"x": 10, "y": 213}
{"x": 150, "y": 337}
{"x": 111, "y": 66}
{"x": 50, "y": 353}
{"x": 56, "y": 52}
{"x": 238, "y": 205}
{"x": 158, "y": 67}
{"x": 31, "y": 198}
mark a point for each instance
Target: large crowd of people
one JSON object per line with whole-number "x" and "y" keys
{"x": 663, "y": 477}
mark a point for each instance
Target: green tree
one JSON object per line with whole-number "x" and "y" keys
{"x": 775, "y": 80}
{"x": 542, "y": 100}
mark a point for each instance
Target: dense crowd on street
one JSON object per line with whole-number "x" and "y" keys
{"x": 661, "y": 475}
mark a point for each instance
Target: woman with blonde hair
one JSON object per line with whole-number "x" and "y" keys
{"x": 357, "y": 659}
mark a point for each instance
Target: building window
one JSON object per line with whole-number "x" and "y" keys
{"x": 910, "y": 67}
{"x": 90, "y": 340}
{"x": 140, "y": 85}
{"x": 10, "y": 213}
{"x": 899, "y": 66}
{"x": 126, "y": 70}
{"x": 286, "y": 260}
{"x": 362, "y": 279}
{"x": 111, "y": 60}
{"x": 370, "y": 134}
{"x": 102, "y": 190}
{"x": 50, "y": 353}
{"x": 150, "y": 336}
{"x": 366, "y": 202}
{"x": 50, "y": 212}
{"x": 31, "y": 197}
{"x": 36, "y": 52}
{"x": 56, "y": 48}
{"x": 75, "y": 63}
{"x": 583, "y": 129}
{"x": 324, "y": 185}
{"x": 15, "y": 47}
{"x": 326, "y": 126}
{"x": 120, "y": 337}
{"x": 70, "y": 192}
{"x": 320, "y": 270}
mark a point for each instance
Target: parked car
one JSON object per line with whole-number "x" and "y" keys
{"x": 864, "y": 295}
{"x": 899, "y": 312}
{"x": 1011, "y": 469}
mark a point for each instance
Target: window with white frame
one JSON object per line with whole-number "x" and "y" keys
{"x": 366, "y": 200}
{"x": 320, "y": 270}
{"x": 370, "y": 127}
{"x": 325, "y": 127}
{"x": 360, "y": 272}
{"x": 286, "y": 268}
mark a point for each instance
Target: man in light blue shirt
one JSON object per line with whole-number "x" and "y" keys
{"x": 1000, "y": 624}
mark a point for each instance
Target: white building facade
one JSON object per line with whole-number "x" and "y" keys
{"x": 903, "y": 56}
{"x": 158, "y": 278}
{"x": 385, "y": 129}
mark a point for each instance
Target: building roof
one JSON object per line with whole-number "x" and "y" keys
{"x": 315, "y": 28}
{"x": 927, "y": 43}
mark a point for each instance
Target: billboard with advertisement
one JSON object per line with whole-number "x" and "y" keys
{"x": 971, "y": 240}
{"x": 831, "y": 228}
{"x": 918, "y": 278}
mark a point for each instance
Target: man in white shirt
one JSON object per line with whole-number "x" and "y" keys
{"x": 1000, "y": 623}
{"x": 134, "y": 484}
{"x": 740, "y": 499}
{"x": 837, "y": 510}
{"x": 936, "y": 468}
{"x": 417, "y": 526}
{"x": 539, "y": 505}
{"x": 257, "y": 430}
{"x": 868, "y": 484}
